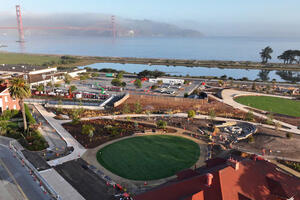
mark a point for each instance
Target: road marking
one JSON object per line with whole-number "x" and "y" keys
{"x": 14, "y": 180}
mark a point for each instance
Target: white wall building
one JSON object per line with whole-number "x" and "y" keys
{"x": 167, "y": 81}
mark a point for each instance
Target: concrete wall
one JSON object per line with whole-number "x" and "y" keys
{"x": 42, "y": 71}
{"x": 75, "y": 107}
{"x": 116, "y": 104}
{"x": 76, "y": 73}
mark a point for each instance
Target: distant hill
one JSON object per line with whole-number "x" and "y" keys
{"x": 126, "y": 27}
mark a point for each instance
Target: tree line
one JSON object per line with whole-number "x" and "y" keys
{"x": 288, "y": 56}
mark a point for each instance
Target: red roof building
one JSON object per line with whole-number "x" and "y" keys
{"x": 230, "y": 180}
{"x": 6, "y": 101}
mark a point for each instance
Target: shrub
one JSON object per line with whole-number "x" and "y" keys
{"x": 138, "y": 83}
{"x": 270, "y": 119}
{"x": 191, "y": 114}
{"x": 126, "y": 109}
{"x": 73, "y": 88}
{"x": 75, "y": 115}
{"x": 161, "y": 124}
{"x": 67, "y": 79}
{"x": 123, "y": 84}
{"x": 249, "y": 116}
{"x": 29, "y": 117}
{"x": 9, "y": 114}
{"x": 288, "y": 135}
{"x": 291, "y": 164}
{"x": 120, "y": 75}
{"x": 186, "y": 95}
{"x": 116, "y": 82}
{"x": 94, "y": 74}
{"x": 88, "y": 129}
{"x": 212, "y": 114}
{"x": 138, "y": 107}
{"x": 250, "y": 139}
{"x": 40, "y": 88}
{"x": 154, "y": 87}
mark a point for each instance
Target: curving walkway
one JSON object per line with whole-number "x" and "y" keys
{"x": 90, "y": 157}
{"x": 79, "y": 150}
{"x": 228, "y": 96}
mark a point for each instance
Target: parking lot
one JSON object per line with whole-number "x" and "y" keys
{"x": 94, "y": 86}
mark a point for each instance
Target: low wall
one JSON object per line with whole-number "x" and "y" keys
{"x": 172, "y": 99}
{"x": 74, "y": 107}
{"x": 116, "y": 104}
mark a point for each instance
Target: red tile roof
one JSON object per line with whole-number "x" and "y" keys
{"x": 254, "y": 180}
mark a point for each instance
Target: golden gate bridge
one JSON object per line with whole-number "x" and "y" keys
{"x": 111, "y": 28}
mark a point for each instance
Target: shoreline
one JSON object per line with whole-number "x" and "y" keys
{"x": 88, "y": 60}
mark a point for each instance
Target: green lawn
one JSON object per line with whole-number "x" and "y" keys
{"x": 149, "y": 157}
{"x": 272, "y": 104}
{"x": 19, "y": 58}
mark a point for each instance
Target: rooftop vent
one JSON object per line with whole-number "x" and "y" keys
{"x": 234, "y": 163}
{"x": 209, "y": 178}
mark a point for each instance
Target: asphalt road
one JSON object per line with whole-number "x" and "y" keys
{"x": 15, "y": 181}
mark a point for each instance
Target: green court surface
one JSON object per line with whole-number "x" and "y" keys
{"x": 272, "y": 104}
{"x": 149, "y": 157}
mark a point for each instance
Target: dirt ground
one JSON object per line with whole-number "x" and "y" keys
{"x": 85, "y": 113}
{"x": 159, "y": 105}
{"x": 287, "y": 119}
{"x": 273, "y": 140}
{"x": 179, "y": 122}
{"x": 284, "y": 118}
{"x": 85, "y": 181}
{"x": 105, "y": 130}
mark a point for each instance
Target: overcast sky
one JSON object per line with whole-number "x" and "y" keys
{"x": 212, "y": 17}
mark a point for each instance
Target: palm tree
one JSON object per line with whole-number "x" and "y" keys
{"x": 19, "y": 89}
{"x": 265, "y": 54}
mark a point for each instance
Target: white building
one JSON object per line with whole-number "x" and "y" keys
{"x": 167, "y": 81}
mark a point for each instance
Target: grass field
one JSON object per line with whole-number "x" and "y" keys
{"x": 272, "y": 104}
{"x": 18, "y": 58}
{"x": 149, "y": 157}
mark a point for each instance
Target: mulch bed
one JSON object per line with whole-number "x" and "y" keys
{"x": 105, "y": 130}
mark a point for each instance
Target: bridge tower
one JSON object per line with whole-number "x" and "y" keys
{"x": 20, "y": 23}
{"x": 113, "y": 23}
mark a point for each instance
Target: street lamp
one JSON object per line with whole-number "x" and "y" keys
{"x": 44, "y": 77}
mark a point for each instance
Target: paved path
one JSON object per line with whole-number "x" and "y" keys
{"x": 56, "y": 143}
{"x": 60, "y": 185}
{"x": 183, "y": 115}
{"x": 15, "y": 180}
{"x": 228, "y": 98}
{"x": 79, "y": 150}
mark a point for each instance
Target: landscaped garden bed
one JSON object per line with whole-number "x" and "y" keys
{"x": 104, "y": 130}
{"x": 291, "y": 164}
{"x": 11, "y": 125}
{"x": 149, "y": 157}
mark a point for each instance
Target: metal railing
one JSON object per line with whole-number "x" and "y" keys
{"x": 15, "y": 147}
{"x": 57, "y": 102}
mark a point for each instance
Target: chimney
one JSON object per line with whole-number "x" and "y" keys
{"x": 234, "y": 164}
{"x": 209, "y": 178}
